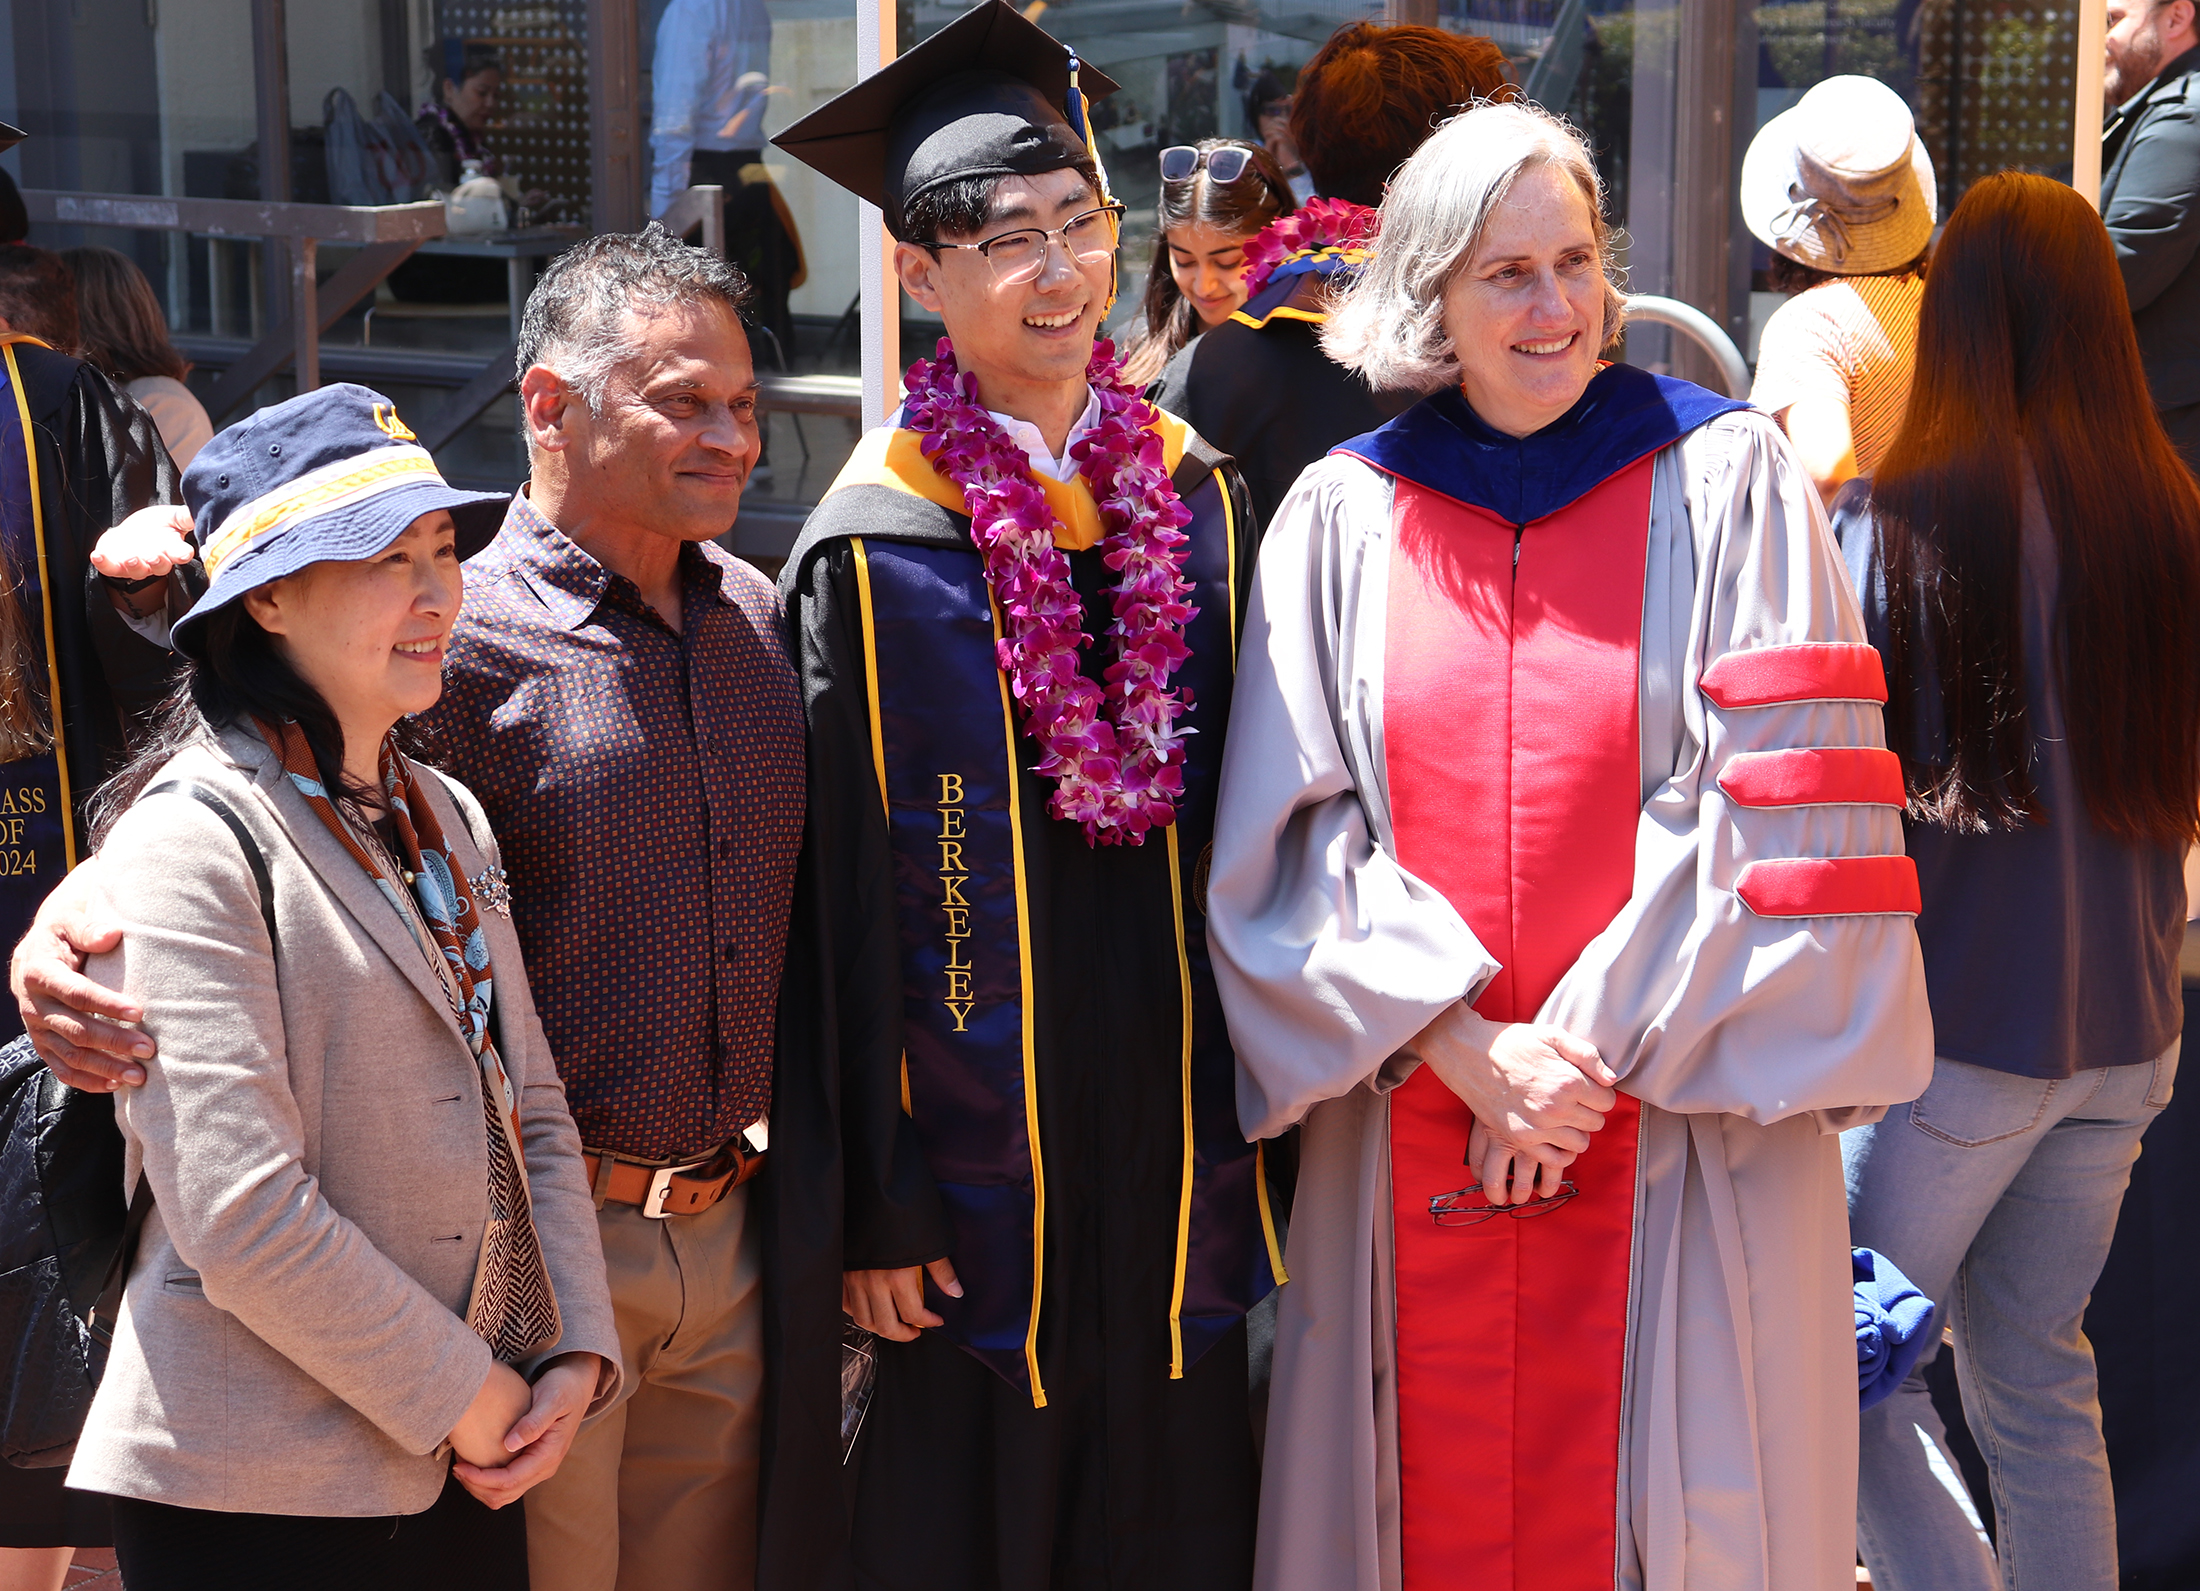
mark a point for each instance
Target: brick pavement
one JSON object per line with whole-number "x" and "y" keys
{"x": 94, "y": 1570}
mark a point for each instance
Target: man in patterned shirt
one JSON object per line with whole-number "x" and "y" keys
{"x": 618, "y": 696}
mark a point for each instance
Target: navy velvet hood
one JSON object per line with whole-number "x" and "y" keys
{"x": 1624, "y": 415}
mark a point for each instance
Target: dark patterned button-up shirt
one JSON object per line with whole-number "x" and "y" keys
{"x": 647, "y": 789}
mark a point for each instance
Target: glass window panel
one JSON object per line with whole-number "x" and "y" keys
{"x": 791, "y": 230}
{"x": 1185, "y": 75}
{"x": 540, "y": 130}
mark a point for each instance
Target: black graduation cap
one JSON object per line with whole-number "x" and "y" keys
{"x": 987, "y": 96}
{"x": 10, "y": 137}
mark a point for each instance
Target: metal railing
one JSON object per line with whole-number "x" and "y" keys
{"x": 1698, "y": 328}
{"x": 385, "y": 236}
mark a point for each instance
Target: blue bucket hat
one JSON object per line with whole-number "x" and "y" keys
{"x": 332, "y": 474}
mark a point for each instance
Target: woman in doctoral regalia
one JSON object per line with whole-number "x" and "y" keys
{"x": 1557, "y": 837}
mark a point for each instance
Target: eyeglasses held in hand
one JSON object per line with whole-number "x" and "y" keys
{"x": 1180, "y": 161}
{"x": 1019, "y": 256}
{"x": 1450, "y": 1209}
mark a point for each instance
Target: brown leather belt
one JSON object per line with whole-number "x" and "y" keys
{"x": 662, "y": 1191}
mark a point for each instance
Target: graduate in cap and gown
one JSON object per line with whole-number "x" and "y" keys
{"x": 1559, "y": 893}
{"x": 79, "y": 669}
{"x": 1003, "y": 1117}
{"x": 77, "y": 455}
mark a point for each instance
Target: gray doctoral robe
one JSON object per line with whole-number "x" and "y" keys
{"x": 1750, "y": 1041}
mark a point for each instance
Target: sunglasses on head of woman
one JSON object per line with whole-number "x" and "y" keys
{"x": 1181, "y": 161}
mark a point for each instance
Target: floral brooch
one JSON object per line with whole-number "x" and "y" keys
{"x": 492, "y": 891}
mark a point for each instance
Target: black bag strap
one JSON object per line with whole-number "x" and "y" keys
{"x": 207, "y": 797}
{"x": 109, "y": 1306}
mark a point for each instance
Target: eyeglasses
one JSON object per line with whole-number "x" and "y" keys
{"x": 1448, "y": 1210}
{"x": 1180, "y": 161}
{"x": 1019, "y": 256}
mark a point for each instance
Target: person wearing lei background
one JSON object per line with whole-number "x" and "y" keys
{"x": 1258, "y": 386}
{"x": 1004, "y": 1092}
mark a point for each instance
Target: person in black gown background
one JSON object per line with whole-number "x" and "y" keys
{"x": 91, "y": 457}
{"x": 1258, "y": 386}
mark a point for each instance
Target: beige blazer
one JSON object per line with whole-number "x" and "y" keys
{"x": 292, "y": 1338}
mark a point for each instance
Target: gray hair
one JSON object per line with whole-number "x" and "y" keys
{"x": 575, "y": 320}
{"x": 1389, "y": 325}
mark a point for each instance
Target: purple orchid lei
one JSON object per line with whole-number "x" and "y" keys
{"x": 1115, "y": 753}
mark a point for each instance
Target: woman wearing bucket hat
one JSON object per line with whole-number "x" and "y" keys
{"x": 369, "y": 1228}
{"x": 1841, "y": 189}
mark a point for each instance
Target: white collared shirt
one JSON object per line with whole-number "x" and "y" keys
{"x": 1026, "y": 436}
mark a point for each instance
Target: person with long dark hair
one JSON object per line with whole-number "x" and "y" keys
{"x": 2029, "y": 561}
{"x": 1215, "y": 196}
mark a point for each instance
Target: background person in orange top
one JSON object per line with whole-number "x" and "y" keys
{"x": 1841, "y": 189}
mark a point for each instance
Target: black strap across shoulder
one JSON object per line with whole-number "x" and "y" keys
{"x": 209, "y": 798}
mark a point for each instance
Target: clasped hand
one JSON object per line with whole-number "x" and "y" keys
{"x": 514, "y": 1436}
{"x": 1537, "y": 1093}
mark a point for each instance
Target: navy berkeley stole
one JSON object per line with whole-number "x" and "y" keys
{"x": 947, "y": 749}
{"x": 37, "y": 826}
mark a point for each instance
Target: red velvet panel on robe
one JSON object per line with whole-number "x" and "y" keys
{"x": 1511, "y": 721}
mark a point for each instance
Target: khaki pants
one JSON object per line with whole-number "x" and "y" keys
{"x": 659, "y": 1491}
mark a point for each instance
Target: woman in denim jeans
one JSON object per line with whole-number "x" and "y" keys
{"x": 2029, "y": 562}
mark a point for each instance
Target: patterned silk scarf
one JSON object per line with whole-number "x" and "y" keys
{"x": 513, "y": 1307}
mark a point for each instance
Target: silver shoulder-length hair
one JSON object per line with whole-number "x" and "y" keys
{"x": 1389, "y": 325}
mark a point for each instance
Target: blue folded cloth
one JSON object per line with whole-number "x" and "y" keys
{"x": 1895, "y": 1324}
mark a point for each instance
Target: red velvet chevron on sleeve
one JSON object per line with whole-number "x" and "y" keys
{"x": 1830, "y": 886}
{"x": 1805, "y": 776}
{"x": 1811, "y": 672}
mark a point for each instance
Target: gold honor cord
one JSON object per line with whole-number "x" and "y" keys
{"x": 45, "y": 592}
{"x": 1267, "y": 1216}
{"x": 870, "y": 669}
{"x": 1031, "y": 1052}
{"x": 1184, "y": 1198}
{"x": 1229, "y": 533}
{"x": 878, "y": 733}
{"x": 1260, "y": 1150}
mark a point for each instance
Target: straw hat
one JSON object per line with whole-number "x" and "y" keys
{"x": 1841, "y": 182}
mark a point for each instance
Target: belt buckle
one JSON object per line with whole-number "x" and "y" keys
{"x": 660, "y": 1189}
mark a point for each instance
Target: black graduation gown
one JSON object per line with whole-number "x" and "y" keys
{"x": 99, "y": 459}
{"x": 1269, "y": 397}
{"x": 1126, "y": 1479}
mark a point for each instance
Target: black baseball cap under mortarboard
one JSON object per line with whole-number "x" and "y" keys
{"x": 986, "y": 96}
